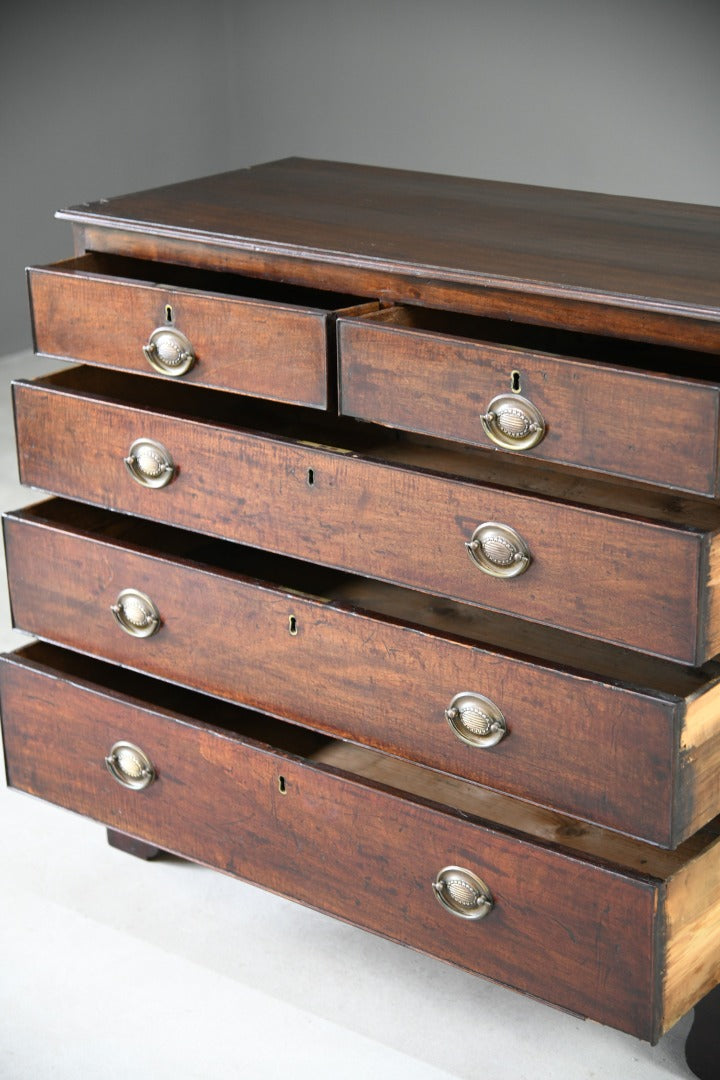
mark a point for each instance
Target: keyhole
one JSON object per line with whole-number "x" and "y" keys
{"x": 311, "y": 477}
{"x": 282, "y": 787}
{"x": 168, "y": 313}
{"x": 292, "y": 625}
{"x": 515, "y": 382}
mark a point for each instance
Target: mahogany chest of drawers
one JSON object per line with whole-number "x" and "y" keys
{"x": 386, "y": 552}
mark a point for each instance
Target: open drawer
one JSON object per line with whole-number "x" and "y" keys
{"x": 219, "y": 330}
{"x": 626, "y": 742}
{"x": 647, "y": 413}
{"x": 634, "y": 569}
{"x": 605, "y": 926}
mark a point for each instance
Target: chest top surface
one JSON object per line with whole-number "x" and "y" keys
{"x": 643, "y": 254}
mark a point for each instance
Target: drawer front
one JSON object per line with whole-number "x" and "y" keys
{"x": 248, "y": 346}
{"x": 562, "y": 928}
{"x": 656, "y": 428}
{"x": 608, "y": 576}
{"x": 571, "y": 741}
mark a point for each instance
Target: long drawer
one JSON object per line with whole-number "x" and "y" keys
{"x": 615, "y": 739}
{"x": 212, "y": 329}
{"x": 642, "y": 412}
{"x": 604, "y": 926}
{"x": 640, "y": 572}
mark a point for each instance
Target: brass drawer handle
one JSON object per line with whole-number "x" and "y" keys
{"x": 463, "y": 893}
{"x": 476, "y": 720}
{"x": 130, "y": 766}
{"x": 150, "y": 463}
{"x": 513, "y": 422}
{"x": 498, "y": 550}
{"x": 136, "y": 614}
{"x": 169, "y": 352}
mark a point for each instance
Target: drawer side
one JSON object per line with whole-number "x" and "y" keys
{"x": 690, "y": 936}
{"x": 699, "y": 760}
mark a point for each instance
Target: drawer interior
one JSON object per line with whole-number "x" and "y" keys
{"x": 127, "y": 269}
{"x": 594, "y": 348}
{"x": 365, "y": 765}
{"x": 452, "y": 619}
{"x": 347, "y": 435}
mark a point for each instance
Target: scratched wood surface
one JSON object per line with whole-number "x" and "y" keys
{"x": 596, "y": 573}
{"x": 582, "y": 923}
{"x": 379, "y": 677}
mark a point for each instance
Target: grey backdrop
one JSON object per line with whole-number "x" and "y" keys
{"x": 99, "y": 99}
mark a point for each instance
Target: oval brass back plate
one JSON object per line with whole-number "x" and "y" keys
{"x": 150, "y": 463}
{"x": 476, "y": 720}
{"x": 136, "y": 614}
{"x": 130, "y": 765}
{"x": 498, "y": 550}
{"x": 169, "y": 352}
{"x": 462, "y": 893}
{"x": 513, "y": 423}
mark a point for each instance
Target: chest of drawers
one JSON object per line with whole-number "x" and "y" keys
{"x": 383, "y": 565}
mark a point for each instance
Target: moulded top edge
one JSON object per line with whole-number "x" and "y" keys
{"x": 643, "y": 254}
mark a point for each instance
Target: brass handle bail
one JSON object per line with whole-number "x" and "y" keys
{"x": 462, "y": 893}
{"x": 130, "y": 766}
{"x": 136, "y": 614}
{"x": 169, "y": 352}
{"x": 476, "y": 720}
{"x": 498, "y": 550}
{"x": 513, "y": 422}
{"x": 150, "y": 463}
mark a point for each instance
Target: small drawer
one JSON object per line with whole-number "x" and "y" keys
{"x": 623, "y": 741}
{"x": 634, "y": 570}
{"x": 217, "y": 330}
{"x": 605, "y": 926}
{"x": 641, "y": 412}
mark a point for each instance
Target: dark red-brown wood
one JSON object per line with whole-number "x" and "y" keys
{"x": 271, "y": 343}
{"x": 609, "y": 746}
{"x": 574, "y": 931}
{"x": 623, "y": 421}
{"x": 623, "y": 266}
{"x": 131, "y": 846}
{"x": 585, "y": 918}
{"x": 610, "y": 576}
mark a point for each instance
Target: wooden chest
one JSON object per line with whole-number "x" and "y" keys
{"x": 385, "y": 553}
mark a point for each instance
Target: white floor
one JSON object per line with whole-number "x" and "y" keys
{"x": 112, "y": 968}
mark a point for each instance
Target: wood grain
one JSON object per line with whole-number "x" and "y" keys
{"x": 582, "y": 652}
{"x": 691, "y": 959}
{"x": 572, "y": 930}
{"x": 595, "y": 573}
{"x": 660, "y": 429}
{"x": 351, "y": 671}
{"x": 551, "y": 248}
{"x": 100, "y": 311}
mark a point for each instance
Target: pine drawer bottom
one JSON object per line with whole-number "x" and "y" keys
{"x": 602, "y": 925}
